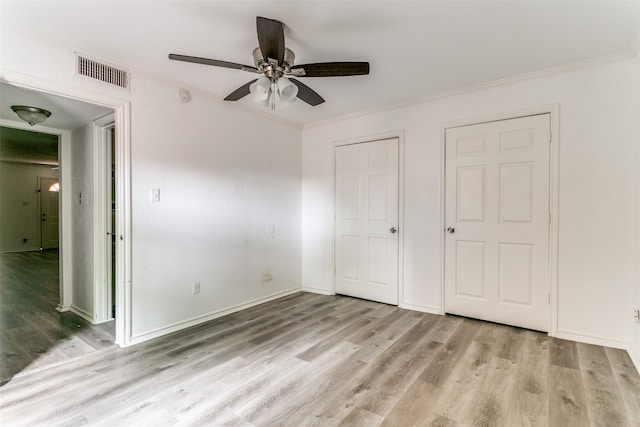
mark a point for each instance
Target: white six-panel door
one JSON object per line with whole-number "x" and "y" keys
{"x": 497, "y": 221}
{"x": 366, "y": 208}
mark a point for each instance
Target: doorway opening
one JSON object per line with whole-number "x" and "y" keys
{"x": 77, "y": 197}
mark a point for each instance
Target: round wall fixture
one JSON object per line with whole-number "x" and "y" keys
{"x": 184, "y": 95}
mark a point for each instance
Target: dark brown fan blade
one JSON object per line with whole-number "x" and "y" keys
{"x": 332, "y": 69}
{"x": 240, "y": 93}
{"x": 213, "y": 62}
{"x": 307, "y": 94}
{"x": 271, "y": 38}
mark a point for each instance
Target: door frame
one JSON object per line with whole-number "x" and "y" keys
{"x": 554, "y": 167}
{"x": 102, "y": 295}
{"x": 122, "y": 111}
{"x": 361, "y": 140}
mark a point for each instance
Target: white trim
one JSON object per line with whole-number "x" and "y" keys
{"x": 208, "y": 317}
{"x": 317, "y": 291}
{"x": 28, "y": 161}
{"x": 398, "y": 134}
{"x": 101, "y": 218}
{"x": 554, "y": 187}
{"x": 635, "y": 357}
{"x": 621, "y": 56}
{"x": 592, "y": 339}
{"x": 80, "y": 312}
{"x": 121, "y": 108}
{"x": 443, "y": 133}
{"x": 421, "y": 308}
{"x": 124, "y": 304}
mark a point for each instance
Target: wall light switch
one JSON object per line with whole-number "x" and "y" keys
{"x": 155, "y": 194}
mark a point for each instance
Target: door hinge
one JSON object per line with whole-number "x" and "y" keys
{"x": 548, "y": 298}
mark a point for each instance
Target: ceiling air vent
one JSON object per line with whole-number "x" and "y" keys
{"x": 103, "y": 72}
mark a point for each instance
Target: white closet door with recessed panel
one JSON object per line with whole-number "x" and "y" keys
{"x": 497, "y": 221}
{"x": 366, "y": 220}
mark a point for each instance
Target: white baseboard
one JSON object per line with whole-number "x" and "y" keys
{"x": 80, "y": 312}
{"x": 590, "y": 339}
{"x": 62, "y": 309}
{"x": 421, "y": 308}
{"x": 317, "y": 291}
{"x": 634, "y": 354}
{"x": 146, "y": 336}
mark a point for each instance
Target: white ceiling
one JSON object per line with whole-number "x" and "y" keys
{"x": 416, "y": 48}
{"x": 66, "y": 114}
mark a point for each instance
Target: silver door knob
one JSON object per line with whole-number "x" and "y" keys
{"x": 393, "y": 230}
{"x": 451, "y": 230}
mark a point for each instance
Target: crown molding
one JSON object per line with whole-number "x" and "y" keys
{"x": 620, "y": 56}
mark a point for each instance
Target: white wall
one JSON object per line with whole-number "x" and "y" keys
{"x": 597, "y": 191}
{"x": 19, "y": 198}
{"x": 82, "y": 151}
{"x": 635, "y": 339}
{"x": 225, "y": 175}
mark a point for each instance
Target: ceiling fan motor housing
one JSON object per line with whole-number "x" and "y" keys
{"x": 270, "y": 67}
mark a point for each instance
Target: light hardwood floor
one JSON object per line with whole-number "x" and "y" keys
{"x": 309, "y": 360}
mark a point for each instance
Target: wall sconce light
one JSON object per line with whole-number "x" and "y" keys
{"x": 31, "y": 115}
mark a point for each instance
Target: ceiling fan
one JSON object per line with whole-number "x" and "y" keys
{"x": 275, "y": 63}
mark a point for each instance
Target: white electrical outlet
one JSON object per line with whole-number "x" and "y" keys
{"x": 636, "y": 315}
{"x": 196, "y": 288}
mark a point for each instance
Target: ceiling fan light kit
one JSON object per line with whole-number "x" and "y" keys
{"x": 275, "y": 63}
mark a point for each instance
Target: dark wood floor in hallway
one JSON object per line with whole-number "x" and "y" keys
{"x": 308, "y": 359}
{"x": 33, "y": 334}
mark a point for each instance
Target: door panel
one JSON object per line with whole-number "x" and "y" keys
{"x": 366, "y": 250}
{"x": 50, "y": 230}
{"x": 497, "y": 210}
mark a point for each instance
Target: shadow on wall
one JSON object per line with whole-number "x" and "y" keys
{"x": 33, "y": 334}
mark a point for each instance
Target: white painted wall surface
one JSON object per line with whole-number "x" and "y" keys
{"x": 597, "y": 191}
{"x": 225, "y": 176}
{"x": 82, "y": 148}
{"x": 19, "y": 198}
{"x": 635, "y": 326}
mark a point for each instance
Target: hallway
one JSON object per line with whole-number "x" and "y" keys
{"x": 33, "y": 334}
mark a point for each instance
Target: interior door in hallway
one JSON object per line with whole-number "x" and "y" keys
{"x": 497, "y": 221}
{"x": 49, "y": 223}
{"x": 366, "y": 220}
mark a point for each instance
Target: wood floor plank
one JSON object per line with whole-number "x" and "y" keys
{"x": 529, "y": 405}
{"x": 567, "y": 402}
{"x": 628, "y": 381}
{"x": 604, "y": 402}
{"x": 564, "y": 353}
{"x": 497, "y": 385}
{"x": 361, "y": 417}
{"x": 445, "y": 360}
